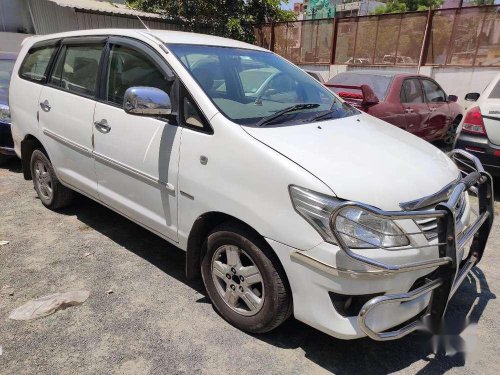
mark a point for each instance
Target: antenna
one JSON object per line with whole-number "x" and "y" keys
{"x": 143, "y": 24}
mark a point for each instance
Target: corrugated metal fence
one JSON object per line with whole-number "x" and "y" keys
{"x": 48, "y": 17}
{"x": 452, "y": 37}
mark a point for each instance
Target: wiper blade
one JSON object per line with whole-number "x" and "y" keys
{"x": 324, "y": 114}
{"x": 296, "y": 107}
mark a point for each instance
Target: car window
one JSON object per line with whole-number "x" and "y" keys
{"x": 34, "y": 66}
{"x": 248, "y": 85}
{"x": 495, "y": 93}
{"x": 76, "y": 68}
{"x": 433, "y": 92}
{"x": 129, "y": 67}
{"x": 5, "y": 73}
{"x": 378, "y": 83}
{"x": 412, "y": 91}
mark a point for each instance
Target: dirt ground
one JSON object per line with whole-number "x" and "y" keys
{"x": 155, "y": 321}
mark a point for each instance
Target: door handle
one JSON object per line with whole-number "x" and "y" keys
{"x": 45, "y": 106}
{"x": 409, "y": 110}
{"x": 102, "y": 126}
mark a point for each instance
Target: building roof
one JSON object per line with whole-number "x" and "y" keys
{"x": 105, "y": 7}
{"x": 163, "y": 36}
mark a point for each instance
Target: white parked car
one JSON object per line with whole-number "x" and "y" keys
{"x": 479, "y": 131}
{"x": 285, "y": 199}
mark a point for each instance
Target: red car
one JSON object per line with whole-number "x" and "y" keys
{"x": 412, "y": 102}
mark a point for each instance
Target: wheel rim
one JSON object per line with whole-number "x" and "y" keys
{"x": 43, "y": 180}
{"x": 450, "y": 134}
{"x": 237, "y": 280}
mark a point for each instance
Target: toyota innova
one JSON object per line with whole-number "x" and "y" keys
{"x": 287, "y": 200}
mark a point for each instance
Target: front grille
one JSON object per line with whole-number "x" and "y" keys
{"x": 429, "y": 226}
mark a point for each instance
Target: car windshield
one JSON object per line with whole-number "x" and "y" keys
{"x": 6, "y": 67}
{"x": 250, "y": 86}
{"x": 378, "y": 83}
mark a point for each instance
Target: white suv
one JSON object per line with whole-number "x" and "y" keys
{"x": 285, "y": 199}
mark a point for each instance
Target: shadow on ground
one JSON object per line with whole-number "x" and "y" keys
{"x": 331, "y": 354}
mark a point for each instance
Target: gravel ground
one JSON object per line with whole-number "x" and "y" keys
{"x": 155, "y": 321}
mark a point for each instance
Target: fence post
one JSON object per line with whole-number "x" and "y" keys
{"x": 425, "y": 42}
{"x": 334, "y": 41}
{"x": 272, "y": 37}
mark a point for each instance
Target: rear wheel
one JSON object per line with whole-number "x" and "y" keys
{"x": 3, "y": 159}
{"x": 49, "y": 189}
{"x": 244, "y": 280}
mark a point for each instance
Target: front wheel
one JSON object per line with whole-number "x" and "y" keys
{"x": 244, "y": 280}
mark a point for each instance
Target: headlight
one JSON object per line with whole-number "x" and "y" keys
{"x": 4, "y": 113}
{"x": 357, "y": 227}
{"x": 361, "y": 229}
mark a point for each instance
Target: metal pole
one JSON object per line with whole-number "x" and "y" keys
{"x": 425, "y": 41}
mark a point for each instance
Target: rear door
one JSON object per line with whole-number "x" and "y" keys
{"x": 416, "y": 110}
{"x": 490, "y": 108}
{"x": 136, "y": 157}
{"x": 66, "y": 111}
{"x": 439, "y": 113}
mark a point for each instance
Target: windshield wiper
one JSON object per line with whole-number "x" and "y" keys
{"x": 296, "y": 107}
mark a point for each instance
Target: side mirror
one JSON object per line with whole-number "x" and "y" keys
{"x": 472, "y": 96}
{"x": 369, "y": 97}
{"x": 147, "y": 101}
{"x": 452, "y": 98}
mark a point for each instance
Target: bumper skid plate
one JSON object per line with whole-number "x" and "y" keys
{"x": 449, "y": 271}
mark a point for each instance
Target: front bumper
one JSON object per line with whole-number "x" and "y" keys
{"x": 439, "y": 274}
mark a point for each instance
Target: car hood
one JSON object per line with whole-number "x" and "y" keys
{"x": 363, "y": 159}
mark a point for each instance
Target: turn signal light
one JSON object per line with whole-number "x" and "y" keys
{"x": 473, "y": 122}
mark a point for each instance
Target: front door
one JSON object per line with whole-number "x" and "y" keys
{"x": 66, "y": 112}
{"x": 439, "y": 114}
{"x": 415, "y": 108}
{"x": 136, "y": 157}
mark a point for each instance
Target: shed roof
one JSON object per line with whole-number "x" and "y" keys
{"x": 105, "y": 7}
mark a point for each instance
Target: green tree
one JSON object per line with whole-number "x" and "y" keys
{"x": 398, "y": 6}
{"x": 229, "y": 18}
{"x": 483, "y": 2}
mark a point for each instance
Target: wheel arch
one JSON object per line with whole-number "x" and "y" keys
{"x": 198, "y": 234}
{"x": 29, "y": 144}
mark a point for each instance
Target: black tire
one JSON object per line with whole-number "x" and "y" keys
{"x": 60, "y": 195}
{"x": 449, "y": 137}
{"x": 3, "y": 159}
{"x": 277, "y": 302}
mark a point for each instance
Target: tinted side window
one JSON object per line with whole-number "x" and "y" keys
{"x": 77, "y": 67}
{"x": 412, "y": 91}
{"x": 128, "y": 68}
{"x": 495, "y": 93}
{"x": 433, "y": 92}
{"x": 34, "y": 66}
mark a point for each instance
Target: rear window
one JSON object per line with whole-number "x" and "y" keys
{"x": 34, "y": 66}
{"x": 495, "y": 93}
{"x": 379, "y": 84}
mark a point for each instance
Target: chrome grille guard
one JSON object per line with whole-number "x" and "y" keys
{"x": 450, "y": 272}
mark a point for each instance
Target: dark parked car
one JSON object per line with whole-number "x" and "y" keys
{"x": 412, "y": 102}
{"x": 7, "y": 61}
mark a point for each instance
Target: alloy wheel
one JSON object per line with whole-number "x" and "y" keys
{"x": 237, "y": 280}
{"x": 43, "y": 180}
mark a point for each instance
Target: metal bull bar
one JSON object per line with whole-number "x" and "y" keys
{"x": 449, "y": 271}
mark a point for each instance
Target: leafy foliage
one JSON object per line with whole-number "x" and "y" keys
{"x": 228, "y": 18}
{"x": 398, "y": 6}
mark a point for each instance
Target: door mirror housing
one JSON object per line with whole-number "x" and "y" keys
{"x": 369, "y": 97}
{"x": 147, "y": 101}
{"x": 452, "y": 98}
{"x": 472, "y": 96}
